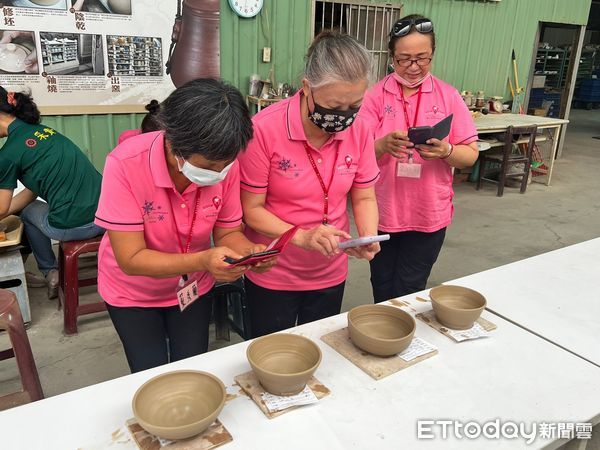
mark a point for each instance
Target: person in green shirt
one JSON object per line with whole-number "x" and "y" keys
{"x": 53, "y": 168}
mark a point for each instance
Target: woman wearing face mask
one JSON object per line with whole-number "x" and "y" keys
{"x": 307, "y": 155}
{"x": 415, "y": 192}
{"x": 164, "y": 194}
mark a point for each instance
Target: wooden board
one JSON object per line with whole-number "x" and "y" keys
{"x": 377, "y": 367}
{"x": 214, "y": 436}
{"x": 429, "y": 318}
{"x": 250, "y": 384}
{"x": 14, "y": 231}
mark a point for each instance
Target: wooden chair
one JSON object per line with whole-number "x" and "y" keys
{"x": 12, "y": 322}
{"x": 508, "y": 158}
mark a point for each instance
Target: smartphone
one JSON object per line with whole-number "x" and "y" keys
{"x": 365, "y": 240}
{"x": 420, "y": 135}
{"x": 252, "y": 258}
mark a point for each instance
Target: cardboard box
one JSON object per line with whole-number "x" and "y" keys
{"x": 539, "y": 81}
{"x": 537, "y": 112}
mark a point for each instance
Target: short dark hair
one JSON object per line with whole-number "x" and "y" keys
{"x": 394, "y": 39}
{"x": 207, "y": 117}
{"x": 24, "y": 107}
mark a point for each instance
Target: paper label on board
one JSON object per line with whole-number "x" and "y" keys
{"x": 277, "y": 403}
{"x": 475, "y": 332}
{"x": 418, "y": 347}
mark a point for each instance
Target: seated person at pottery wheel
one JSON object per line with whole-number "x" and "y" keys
{"x": 149, "y": 122}
{"x": 164, "y": 194}
{"x": 49, "y": 166}
{"x": 307, "y": 156}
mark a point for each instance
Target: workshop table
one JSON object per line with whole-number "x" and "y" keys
{"x": 498, "y": 123}
{"x": 554, "y": 295}
{"x": 512, "y": 375}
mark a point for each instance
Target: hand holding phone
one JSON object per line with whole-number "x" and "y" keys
{"x": 365, "y": 240}
{"x": 420, "y": 135}
{"x": 274, "y": 248}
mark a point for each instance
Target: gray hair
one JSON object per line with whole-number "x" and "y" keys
{"x": 333, "y": 56}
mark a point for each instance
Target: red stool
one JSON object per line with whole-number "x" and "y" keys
{"x": 12, "y": 321}
{"x": 69, "y": 282}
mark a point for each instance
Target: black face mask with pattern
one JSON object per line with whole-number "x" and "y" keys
{"x": 331, "y": 120}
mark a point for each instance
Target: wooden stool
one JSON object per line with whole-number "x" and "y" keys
{"x": 12, "y": 321}
{"x": 69, "y": 282}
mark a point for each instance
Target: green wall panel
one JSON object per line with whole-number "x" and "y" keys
{"x": 475, "y": 40}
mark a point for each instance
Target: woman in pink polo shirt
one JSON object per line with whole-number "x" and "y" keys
{"x": 306, "y": 156}
{"x": 414, "y": 192}
{"x": 164, "y": 194}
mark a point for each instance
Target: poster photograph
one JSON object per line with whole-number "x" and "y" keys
{"x": 18, "y": 54}
{"x": 44, "y": 4}
{"x": 87, "y": 56}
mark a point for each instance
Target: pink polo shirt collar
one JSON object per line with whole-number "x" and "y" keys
{"x": 293, "y": 120}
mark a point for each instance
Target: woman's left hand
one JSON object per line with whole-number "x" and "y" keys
{"x": 434, "y": 149}
{"x": 262, "y": 266}
{"x": 367, "y": 252}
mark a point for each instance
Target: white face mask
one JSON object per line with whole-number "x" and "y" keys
{"x": 203, "y": 177}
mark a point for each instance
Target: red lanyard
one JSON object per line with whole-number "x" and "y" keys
{"x": 186, "y": 249}
{"x": 404, "y": 107}
{"x": 321, "y": 182}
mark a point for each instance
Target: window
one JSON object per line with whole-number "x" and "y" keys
{"x": 370, "y": 23}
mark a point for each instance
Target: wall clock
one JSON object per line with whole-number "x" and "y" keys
{"x": 246, "y": 8}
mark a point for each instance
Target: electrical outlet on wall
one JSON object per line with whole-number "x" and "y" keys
{"x": 266, "y": 54}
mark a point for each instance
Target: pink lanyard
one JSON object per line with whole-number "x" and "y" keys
{"x": 188, "y": 243}
{"x": 322, "y": 182}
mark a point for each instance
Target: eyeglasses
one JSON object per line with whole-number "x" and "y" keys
{"x": 402, "y": 27}
{"x": 421, "y": 62}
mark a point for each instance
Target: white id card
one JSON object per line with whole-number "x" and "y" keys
{"x": 408, "y": 169}
{"x": 187, "y": 294}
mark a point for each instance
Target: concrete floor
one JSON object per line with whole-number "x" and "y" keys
{"x": 487, "y": 232}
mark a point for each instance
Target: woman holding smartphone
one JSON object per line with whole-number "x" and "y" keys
{"x": 414, "y": 192}
{"x": 306, "y": 156}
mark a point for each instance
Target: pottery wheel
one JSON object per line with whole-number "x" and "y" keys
{"x": 12, "y": 57}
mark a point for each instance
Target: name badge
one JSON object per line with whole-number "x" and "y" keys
{"x": 408, "y": 169}
{"x": 187, "y": 293}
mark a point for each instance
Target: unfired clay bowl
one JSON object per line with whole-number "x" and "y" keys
{"x": 381, "y": 329}
{"x": 456, "y": 307}
{"x": 283, "y": 362}
{"x": 179, "y": 404}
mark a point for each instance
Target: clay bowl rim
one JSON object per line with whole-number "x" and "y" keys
{"x": 438, "y": 303}
{"x": 172, "y": 373}
{"x": 393, "y": 308}
{"x": 286, "y": 375}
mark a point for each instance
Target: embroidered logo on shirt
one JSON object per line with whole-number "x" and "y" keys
{"x": 148, "y": 207}
{"x": 389, "y": 110}
{"x": 285, "y": 164}
{"x": 30, "y": 143}
{"x": 217, "y": 201}
{"x": 348, "y": 160}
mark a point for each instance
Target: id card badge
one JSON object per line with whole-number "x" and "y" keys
{"x": 408, "y": 169}
{"x": 187, "y": 292}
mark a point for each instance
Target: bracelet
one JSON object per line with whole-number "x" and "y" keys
{"x": 446, "y": 156}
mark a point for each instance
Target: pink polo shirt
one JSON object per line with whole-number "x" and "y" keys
{"x": 276, "y": 163}
{"x": 138, "y": 194}
{"x": 410, "y": 204}
{"x": 129, "y": 133}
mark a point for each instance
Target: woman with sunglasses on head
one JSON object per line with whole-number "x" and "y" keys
{"x": 414, "y": 192}
{"x": 306, "y": 156}
{"x": 164, "y": 195}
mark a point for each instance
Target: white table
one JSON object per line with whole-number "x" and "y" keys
{"x": 512, "y": 375}
{"x": 498, "y": 123}
{"x": 556, "y": 295}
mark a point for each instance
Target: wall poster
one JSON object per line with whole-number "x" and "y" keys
{"x": 87, "y": 56}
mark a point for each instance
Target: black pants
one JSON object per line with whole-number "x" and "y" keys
{"x": 404, "y": 263}
{"x": 155, "y": 336}
{"x": 272, "y": 311}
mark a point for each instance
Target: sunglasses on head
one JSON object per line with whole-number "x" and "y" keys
{"x": 402, "y": 27}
